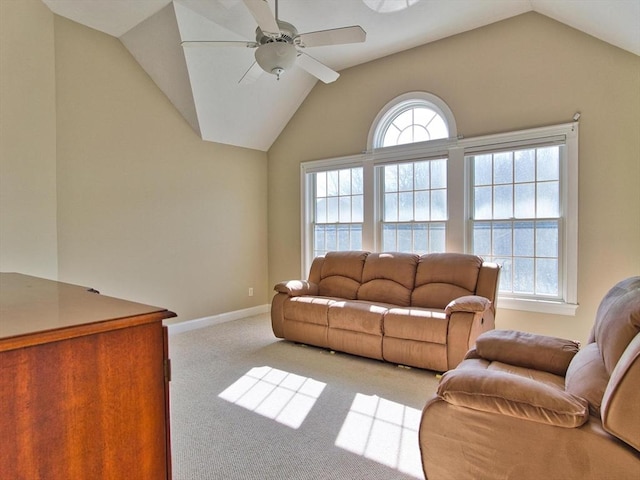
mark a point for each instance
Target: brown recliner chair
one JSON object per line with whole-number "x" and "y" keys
{"x": 524, "y": 406}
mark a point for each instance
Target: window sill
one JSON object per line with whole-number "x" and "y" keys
{"x": 538, "y": 306}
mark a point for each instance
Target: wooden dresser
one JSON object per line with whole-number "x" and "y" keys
{"x": 83, "y": 384}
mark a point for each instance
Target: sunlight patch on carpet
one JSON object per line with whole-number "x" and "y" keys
{"x": 383, "y": 431}
{"x": 282, "y": 396}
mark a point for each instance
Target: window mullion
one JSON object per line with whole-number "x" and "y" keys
{"x": 457, "y": 199}
{"x": 370, "y": 208}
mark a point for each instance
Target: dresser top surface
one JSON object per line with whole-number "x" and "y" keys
{"x": 30, "y": 305}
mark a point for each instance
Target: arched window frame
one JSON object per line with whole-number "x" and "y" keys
{"x": 401, "y": 104}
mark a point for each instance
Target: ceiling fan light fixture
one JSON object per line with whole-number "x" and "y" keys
{"x": 276, "y": 57}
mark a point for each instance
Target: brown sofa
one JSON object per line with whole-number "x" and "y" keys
{"x": 421, "y": 311}
{"x": 524, "y": 406}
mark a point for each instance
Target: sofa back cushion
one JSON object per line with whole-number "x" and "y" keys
{"x": 587, "y": 378}
{"x": 617, "y": 320}
{"x": 316, "y": 270}
{"x": 617, "y": 333}
{"x": 388, "y": 278}
{"x": 442, "y": 277}
{"x": 620, "y": 401}
{"x": 341, "y": 274}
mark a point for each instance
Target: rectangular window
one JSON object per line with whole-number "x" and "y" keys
{"x": 515, "y": 218}
{"x": 338, "y": 210}
{"x": 414, "y": 210}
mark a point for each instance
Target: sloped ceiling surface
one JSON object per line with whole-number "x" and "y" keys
{"x": 203, "y": 83}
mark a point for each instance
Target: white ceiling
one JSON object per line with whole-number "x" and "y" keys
{"x": 203, "y": 82}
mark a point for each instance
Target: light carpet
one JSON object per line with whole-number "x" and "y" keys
{"x": 246, "y": 405}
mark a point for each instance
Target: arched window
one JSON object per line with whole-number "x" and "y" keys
{"x": 410, "y": 118}
{"x": 414, "y": 206}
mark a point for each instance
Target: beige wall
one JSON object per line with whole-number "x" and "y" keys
{"x": 147, "y": 210}
{"x": 28, "y": 241}
{"x": 524, "y": 72}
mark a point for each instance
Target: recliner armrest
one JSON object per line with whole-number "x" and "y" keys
{"x": 540, "y": 352}
{"x": 512, "y": 395}
{"x": 468, "y": 303}
{"x": 296, "y": 288}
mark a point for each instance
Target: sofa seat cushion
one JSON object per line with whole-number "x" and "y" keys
{"x": 473, "y": 361}
{"x": 357, "y": 316}
{"x": 416, "y": 324}
{"x": 550, "y": 379}
{"x": 512, "y": 395}
{"x": 308, "y": 309}
{"x": 306, "y": 333}
{"x": 431, "y": 356}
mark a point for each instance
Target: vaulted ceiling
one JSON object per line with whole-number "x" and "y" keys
{"x": 203, "y": 83}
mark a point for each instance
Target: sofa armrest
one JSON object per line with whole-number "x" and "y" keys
{"x": 468, "y": 317}
{"x": 468, "y": 303}
{"x": 540, "y": 352}
{"x": 512, "y": 395}
{"x": 296, "y": 288}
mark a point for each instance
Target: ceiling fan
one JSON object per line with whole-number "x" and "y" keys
{"x": 279, "y": 45}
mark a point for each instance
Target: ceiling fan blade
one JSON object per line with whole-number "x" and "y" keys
{"x": 335, "y": 36}
{"x": 216, "y": 43}
{"x": 264, "y": 17}
{"x": 315, "y": 68}
{"x": 251, "y": 75}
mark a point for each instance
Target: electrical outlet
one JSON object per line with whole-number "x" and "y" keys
{"x": 251, "y": 291}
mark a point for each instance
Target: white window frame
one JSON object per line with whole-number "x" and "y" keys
{"x": 567, "y": 135}
{"x": 428, "y": 223}
{"x": 404, "y": 102}
{"x": 458, "y": 191}
{"x": 313, "y": 208}
{"x": 308, "y": 200}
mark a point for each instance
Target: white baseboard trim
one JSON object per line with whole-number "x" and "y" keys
{"x": 188, "y": 325}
